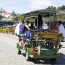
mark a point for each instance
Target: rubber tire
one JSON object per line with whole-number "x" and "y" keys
{"x": 60, "y": 46}
{"x": 19, "y": 52}
{"x": 53, "y": 59}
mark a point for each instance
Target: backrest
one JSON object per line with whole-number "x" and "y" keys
{"x": 49, "y": 35}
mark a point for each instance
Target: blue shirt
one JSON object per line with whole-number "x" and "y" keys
{"x": 28, "y": 35}
{"x": 22, "y": 29}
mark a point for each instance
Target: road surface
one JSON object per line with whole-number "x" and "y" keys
{"x": 9, "y": 56}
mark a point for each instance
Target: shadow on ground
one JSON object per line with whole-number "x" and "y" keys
{"x": 59, "y": 60}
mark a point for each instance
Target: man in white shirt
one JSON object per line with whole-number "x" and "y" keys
{"x": 61, "y": 29}
{"x": 17, "y": 29}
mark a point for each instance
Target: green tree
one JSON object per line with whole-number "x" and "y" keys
{"x": 61, "y": 8}
{"x": 51, "y": 8}
{"x": 15, "y": 18}
{"x": 21, "y": 17}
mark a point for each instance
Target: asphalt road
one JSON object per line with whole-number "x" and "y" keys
{"x": 9, "y": 56}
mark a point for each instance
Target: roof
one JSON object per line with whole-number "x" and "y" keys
{"x": 43, "y": 12}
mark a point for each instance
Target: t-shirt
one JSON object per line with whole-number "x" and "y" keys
{"x": 62, "y": 30}
{"x": 17, "y": 29}
{"x": 28, "y": 35}
{"x": 22, "y": 29}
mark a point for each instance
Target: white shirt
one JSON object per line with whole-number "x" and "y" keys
{"x": 62, "y": 30}
{"x": 45, "y": 26}
{"x": 17, "y": 29}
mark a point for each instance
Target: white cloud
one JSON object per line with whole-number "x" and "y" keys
{"x": 40, "y": 4}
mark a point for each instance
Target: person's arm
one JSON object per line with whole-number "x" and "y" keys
{"x": 27, "y": 27}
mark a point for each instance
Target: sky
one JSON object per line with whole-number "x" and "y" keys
{"x": 25, "y": 6}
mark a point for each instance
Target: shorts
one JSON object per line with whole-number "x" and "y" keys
{"x": 22, "y": 35}
{"x": 28, "y": 40}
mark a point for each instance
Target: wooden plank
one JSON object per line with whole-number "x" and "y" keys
{"x": 48, "y": 35}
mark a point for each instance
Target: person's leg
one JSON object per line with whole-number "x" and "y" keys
{"x": 19, "y": 38}
{"x": 25, "y": 45}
